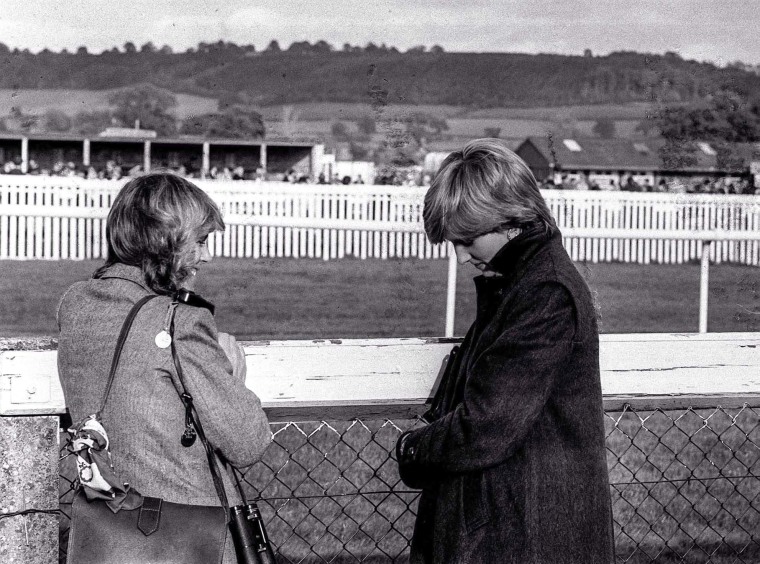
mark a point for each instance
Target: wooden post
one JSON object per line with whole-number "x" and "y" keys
{"x": 86, "y": 152}
{"x": 451, "y": 292}
{"x": 704, "y": 277}
{"x": 30, "y": 475}
{"x": 316, "y": 157}
{"x": 24, "y": 155}
{"x": 263, "y": 156}
{"x": 146, "y": 156}
{"x": 206, "y": 162}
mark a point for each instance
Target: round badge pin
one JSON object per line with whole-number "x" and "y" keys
{"x": 163, "y": 340}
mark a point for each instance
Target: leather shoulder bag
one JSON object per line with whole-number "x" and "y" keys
{"x": 157, "y": 531}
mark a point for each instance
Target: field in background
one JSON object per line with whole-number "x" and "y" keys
{"x": 291, "y": 299}
{"x": 317, "y": 118}
{"x": 73, "y": 101}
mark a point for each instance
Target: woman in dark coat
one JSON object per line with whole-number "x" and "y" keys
{"x": 513, "y": 463}
{"x": 157, "y": 230}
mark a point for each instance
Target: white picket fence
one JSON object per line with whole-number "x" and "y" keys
{"x": 62, "y": 218}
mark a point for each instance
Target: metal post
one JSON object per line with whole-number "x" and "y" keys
{"x": 704, "y": 276}
{"x": 451, "y": 292}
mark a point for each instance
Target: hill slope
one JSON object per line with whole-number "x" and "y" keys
{"x": 474, "y": 80}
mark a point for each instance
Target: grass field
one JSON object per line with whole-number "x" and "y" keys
{"x": 291, "y": 299}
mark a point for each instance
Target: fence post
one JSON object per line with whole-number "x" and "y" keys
{"x": 704, "y": 276}
{"x": 24, "y": 155}
{"x": 146, "y": 156}
{"x": 205, "y": 159}
{"x": 86, "y": 152}
{"x": 30, "y": 475}
{"x": 451, "y": 292}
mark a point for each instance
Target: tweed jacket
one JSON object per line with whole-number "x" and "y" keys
{"x": 144, "y": 416}
{"x": 513, "y": 466}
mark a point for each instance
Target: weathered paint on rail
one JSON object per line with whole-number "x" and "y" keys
{"x": 319, "y": 377}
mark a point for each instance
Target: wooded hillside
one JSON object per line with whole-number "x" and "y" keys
{"x": 475, "y": 80}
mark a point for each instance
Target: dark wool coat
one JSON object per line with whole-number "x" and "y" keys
{"x": 144, "y": 416}
{"x": 513, "y": 468}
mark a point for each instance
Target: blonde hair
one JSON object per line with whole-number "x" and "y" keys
{"x": 485, "y": 187}
{"x": 154, "y": 223}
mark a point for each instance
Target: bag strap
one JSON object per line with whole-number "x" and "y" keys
{"x": 187, "y": 401}
{"x": 443, "y": 388}
{"x": 120, "y": 345}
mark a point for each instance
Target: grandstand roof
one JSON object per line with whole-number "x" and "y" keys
{"x": 179, "y": 140}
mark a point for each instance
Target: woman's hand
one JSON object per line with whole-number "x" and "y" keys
{"x": 234, "y": 352}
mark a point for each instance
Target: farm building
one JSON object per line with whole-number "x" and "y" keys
{"x": 608, "y": 162}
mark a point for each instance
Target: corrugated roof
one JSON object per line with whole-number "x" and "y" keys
{"x": 626, "y": 154}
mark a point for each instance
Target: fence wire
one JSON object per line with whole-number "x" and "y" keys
{"x": 684, "y": 484}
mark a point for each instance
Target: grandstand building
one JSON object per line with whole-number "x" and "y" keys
{"x": 143, "y": 149}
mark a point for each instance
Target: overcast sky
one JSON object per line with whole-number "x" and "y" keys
{"x": 716, "y": 30}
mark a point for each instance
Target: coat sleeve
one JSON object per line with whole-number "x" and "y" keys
{"x": 506, "y": 390}
{"x": 230, "y": 413}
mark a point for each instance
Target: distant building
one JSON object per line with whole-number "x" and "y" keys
{"x": 128, "y": 132}
{"x": 139, "y": 148}
{"x": 608, "y": 162}
{"x": 440, "y": 149}
{"x": 340, "y": 165}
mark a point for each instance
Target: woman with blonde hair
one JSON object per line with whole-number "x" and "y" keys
{"x": 512, "y": 464}
{"x": 157, "y": 230}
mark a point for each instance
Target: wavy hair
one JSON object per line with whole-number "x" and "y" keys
{"x": 485, "y": 187}
{"x": 154, "y": 223}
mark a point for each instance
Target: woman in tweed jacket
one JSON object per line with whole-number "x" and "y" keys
{"x": 512, "y": 466}
{"x": 157, "y": 230}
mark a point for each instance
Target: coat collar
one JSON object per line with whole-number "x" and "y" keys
{"x": 513, "y": 255}
{"x": 511, "y": 262}
{"x": 512, "y": 259}
{"x": 126, "y": 272}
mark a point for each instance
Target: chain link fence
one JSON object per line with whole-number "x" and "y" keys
{"x": 684, "y": 486}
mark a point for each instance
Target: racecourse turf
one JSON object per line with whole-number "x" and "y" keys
{"x": 350, "y": 298}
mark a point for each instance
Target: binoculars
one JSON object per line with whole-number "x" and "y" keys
{"x": 248, "y": 534}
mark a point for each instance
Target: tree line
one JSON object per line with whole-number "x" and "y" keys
{"x": 229, "y": 48}
{"x": 318, "y": 72}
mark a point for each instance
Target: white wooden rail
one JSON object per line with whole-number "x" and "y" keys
{"x": 338, "y": 379}
{"x": 50, "y": 229}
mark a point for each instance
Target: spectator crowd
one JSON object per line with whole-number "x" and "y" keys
{"x": 677, "y": 185}
{"x": 410, "y": 176}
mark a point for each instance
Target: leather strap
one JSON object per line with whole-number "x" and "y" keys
{"x": 213, "y": 463}
{"x": 120, "y": 345}
{"x": 150, "y": 515}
